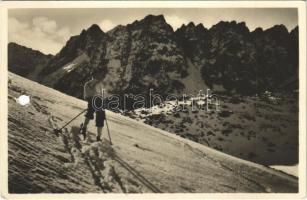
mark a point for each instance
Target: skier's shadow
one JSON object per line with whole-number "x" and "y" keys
{"x": 135, "y": 173}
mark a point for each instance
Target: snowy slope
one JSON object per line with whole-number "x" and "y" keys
{"x": 145, "y": 159}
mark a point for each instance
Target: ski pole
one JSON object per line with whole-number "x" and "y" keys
{"x": 108, "y": 129}
{"x": 57, "y": 131}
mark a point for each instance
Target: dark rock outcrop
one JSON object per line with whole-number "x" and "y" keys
{"x": 25, "y": 61}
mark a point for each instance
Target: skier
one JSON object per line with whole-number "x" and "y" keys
{"x": 94, "y": 94}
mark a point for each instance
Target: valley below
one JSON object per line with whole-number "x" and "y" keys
{"x": 259, "y": 128}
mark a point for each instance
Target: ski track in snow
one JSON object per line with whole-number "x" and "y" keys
{"x": 99, "y": 157}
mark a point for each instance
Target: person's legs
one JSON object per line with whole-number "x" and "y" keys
{"x": 88, "y": 116}
{"x": 99, "y": 133}
{"x": 99, "y": 123}
{"x": 86, "y": 121}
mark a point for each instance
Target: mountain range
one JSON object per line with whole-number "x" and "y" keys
{"x": 149, "y": 54}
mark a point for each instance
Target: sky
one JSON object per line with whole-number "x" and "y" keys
{"x": 47, "y": 30}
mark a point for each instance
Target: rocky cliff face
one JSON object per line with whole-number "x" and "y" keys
{"x": 277, "y": 55}
{"x": 150, "y": 54}
{"x": 144, "y": 55}
{"x": 139, "y": 56}
{"x": 72, "y": 66}
{"x": 25, "y": 61}
{"x": 231, "y": 58}
{"x": 195, "y": 41}
{"x": 234, "y": 58}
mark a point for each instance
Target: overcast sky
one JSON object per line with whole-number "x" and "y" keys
{"x": 48, "y": 30}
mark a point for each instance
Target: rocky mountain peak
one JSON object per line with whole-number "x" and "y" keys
{"x": 200, "y": 27}
{"x": 191, "y": 29}
{"x": 92, "y": 33}
{"x": 155, "y": 18}
{"x": 89, "y": 42}
{"x": 294, "y": 30}
{"x": 225, "y": 26}
{"x": 155, "y": 24}
{"x": 94, "y": 30}
{"x": 278, "y": 32}
{"x": 258, "y": 30}
{"x": 191, "y": 25}
{"x": 150, "y": 20}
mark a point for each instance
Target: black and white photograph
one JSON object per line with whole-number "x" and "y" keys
{"x": 155, "y": 99}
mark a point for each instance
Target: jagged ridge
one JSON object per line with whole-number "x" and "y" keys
{"x": 150, "y": 54}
